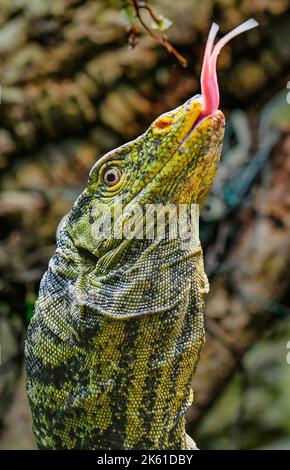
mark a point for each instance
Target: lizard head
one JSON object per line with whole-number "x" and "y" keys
{"x": 173, "y": 162}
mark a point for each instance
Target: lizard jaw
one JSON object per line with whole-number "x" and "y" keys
{"x": 214, "y": 117}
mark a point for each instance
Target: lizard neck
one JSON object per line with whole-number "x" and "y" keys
{"x": 131, "y": 340}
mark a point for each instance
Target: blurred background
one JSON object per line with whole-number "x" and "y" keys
{"x": 72, "y": 89}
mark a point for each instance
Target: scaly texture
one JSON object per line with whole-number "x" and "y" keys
{"x": 118, "y": 324}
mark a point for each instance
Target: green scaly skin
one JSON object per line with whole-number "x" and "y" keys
{"x": 118, "y": 324}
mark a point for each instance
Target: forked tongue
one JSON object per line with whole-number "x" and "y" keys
{"x": 209, "y": 83}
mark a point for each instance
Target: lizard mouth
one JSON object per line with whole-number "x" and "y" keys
{"x": 209, "y": 82}
{"x": 214, "y": 120}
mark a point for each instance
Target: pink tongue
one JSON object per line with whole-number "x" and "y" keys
{"x": 209, "y": 83}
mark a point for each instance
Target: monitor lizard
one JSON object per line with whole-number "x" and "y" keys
{"x": 118, "y": 324}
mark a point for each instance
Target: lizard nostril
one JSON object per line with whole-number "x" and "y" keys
{"x": 162, "y": 123}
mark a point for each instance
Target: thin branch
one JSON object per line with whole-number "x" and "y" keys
{"x": 138, "y": 6}
{"x": 144, "y": 6}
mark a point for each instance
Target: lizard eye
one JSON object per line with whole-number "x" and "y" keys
{"x": 112, "y": 176}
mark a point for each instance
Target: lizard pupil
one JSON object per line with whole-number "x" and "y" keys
{"x": 111, "y": 177}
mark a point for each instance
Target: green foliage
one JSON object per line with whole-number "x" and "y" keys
{"x": 128, "y": 14}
